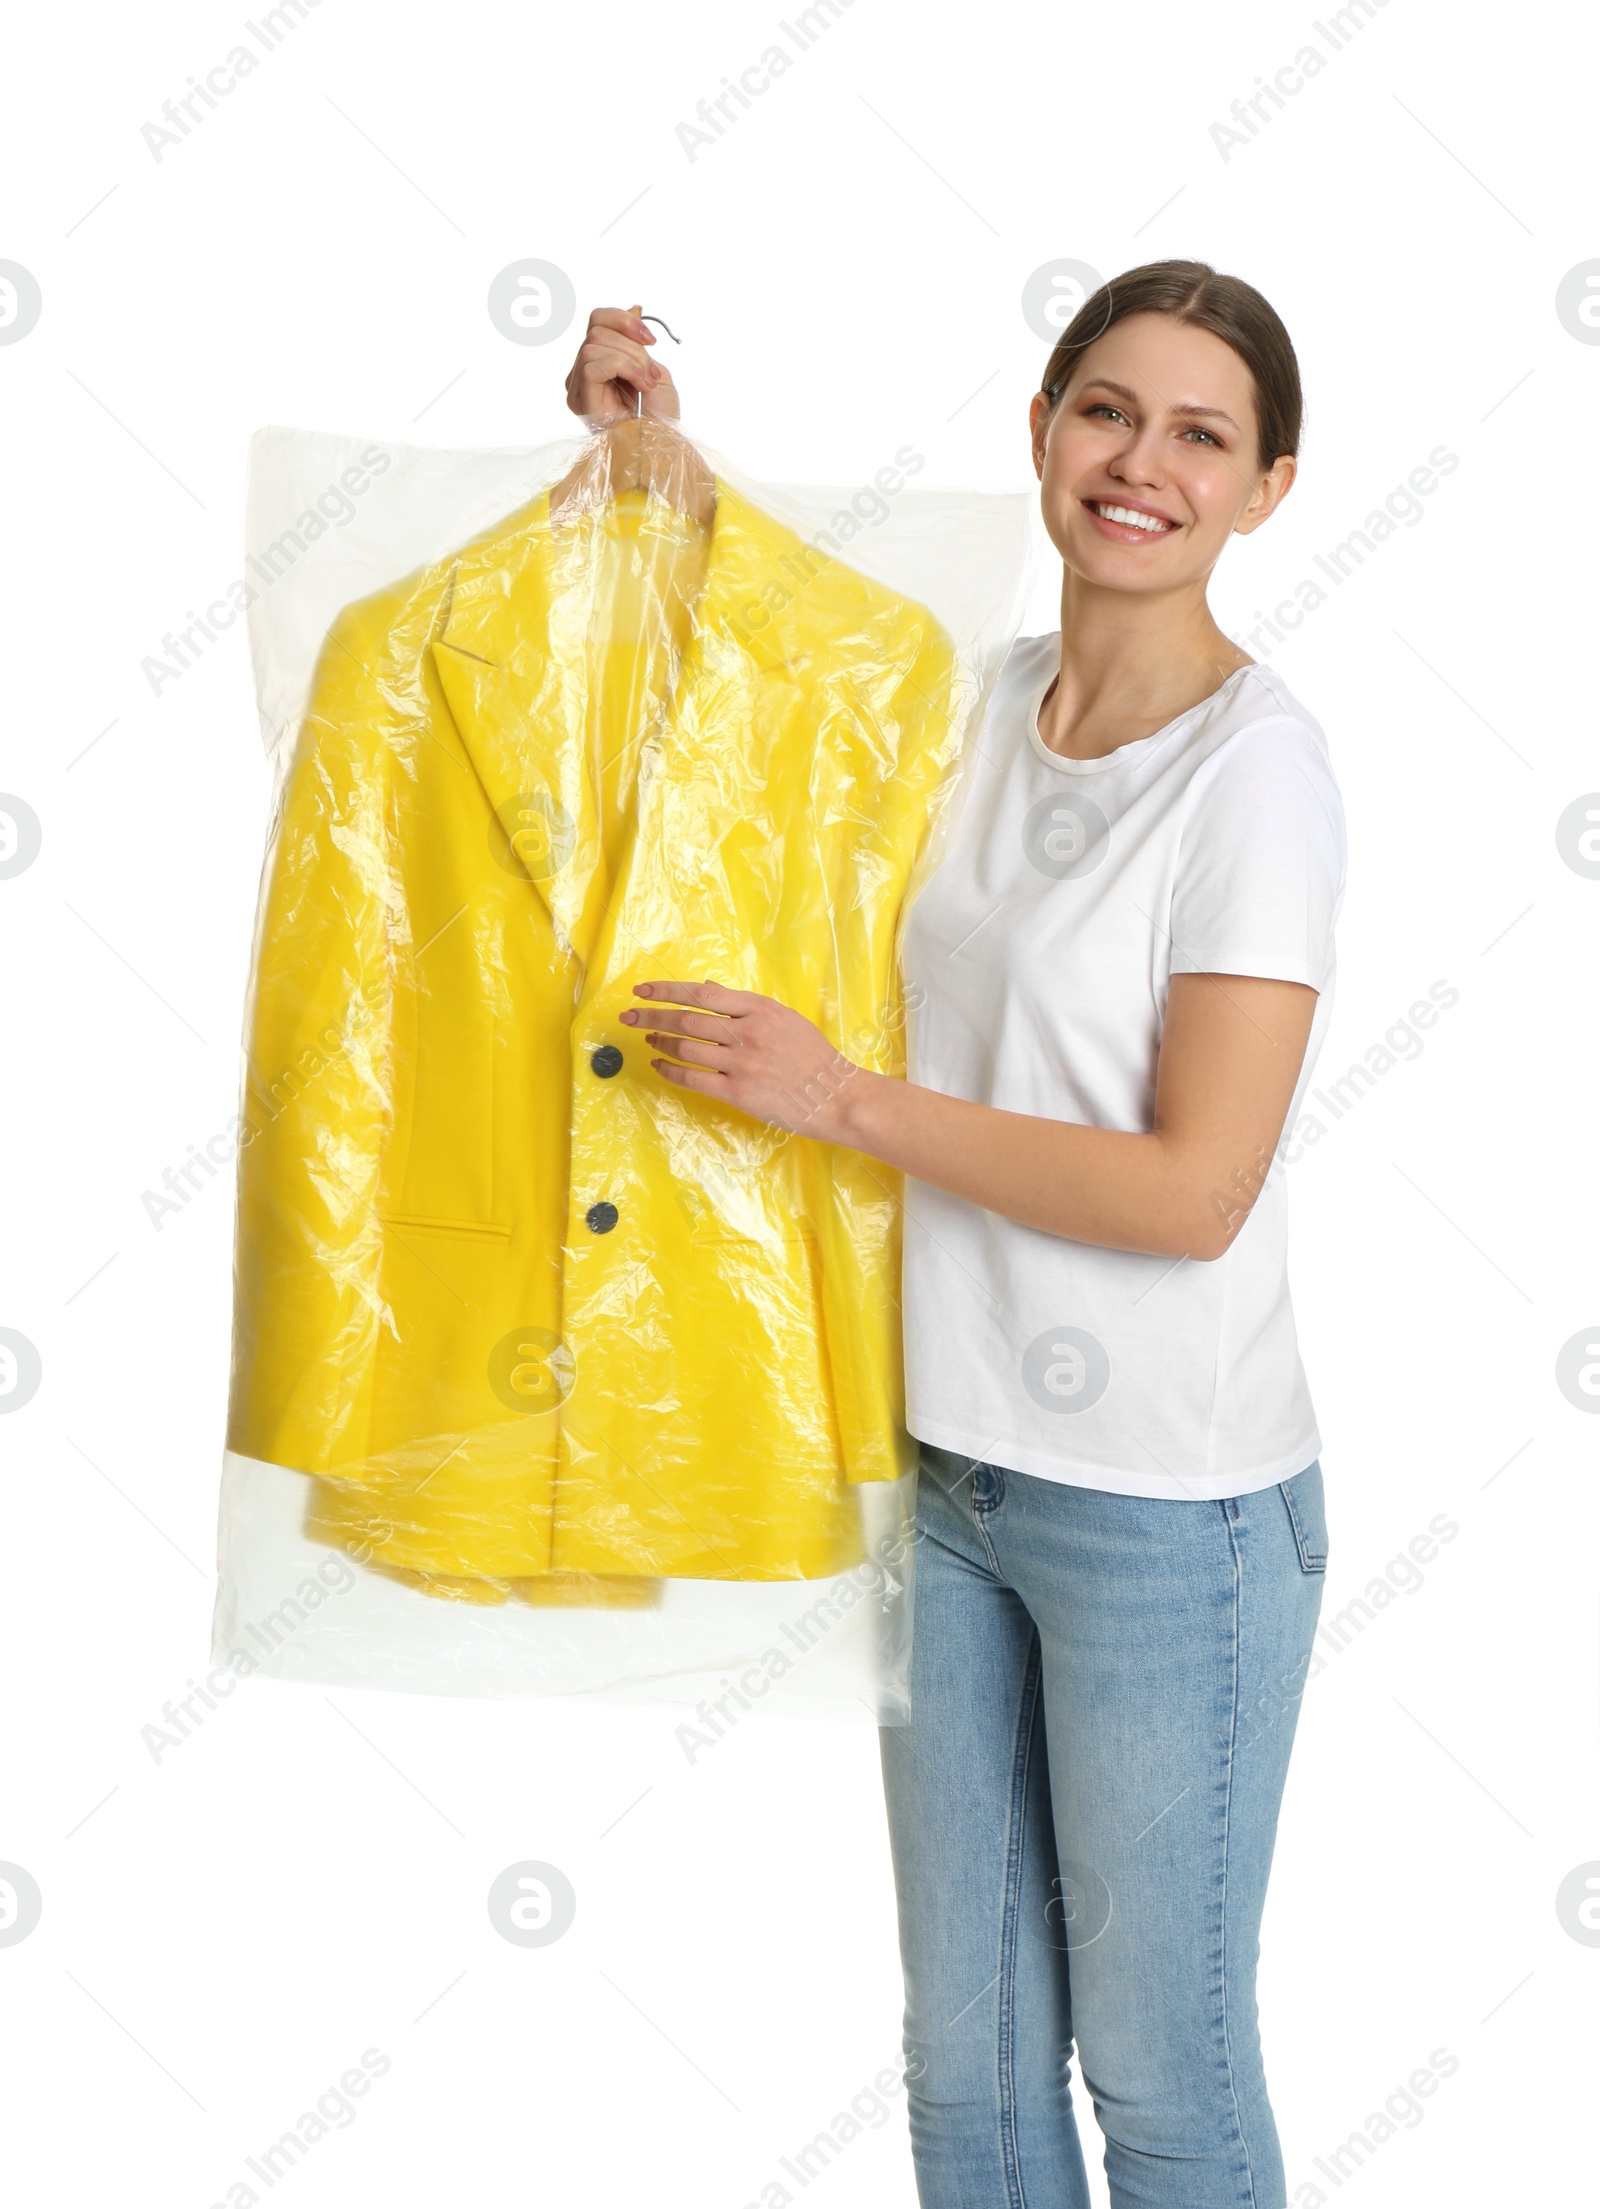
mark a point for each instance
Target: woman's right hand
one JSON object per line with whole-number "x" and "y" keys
{"x": 614, "y": 373}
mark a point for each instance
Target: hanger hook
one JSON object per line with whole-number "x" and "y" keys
{"x": 639, "y": 396}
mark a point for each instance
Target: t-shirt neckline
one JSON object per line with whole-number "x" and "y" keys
{"x": 1137, "y": 747}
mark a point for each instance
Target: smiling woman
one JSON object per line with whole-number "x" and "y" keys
{"x": 1119, "y": 977}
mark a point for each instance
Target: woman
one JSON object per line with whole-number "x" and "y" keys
{"x": 1121, "y": 971}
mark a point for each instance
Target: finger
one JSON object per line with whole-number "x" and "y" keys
{"x": 711, "y": 1027}
{"x": 691, "y": 1077}
{"x": 597, "y": 364}
{"x": 626, "y": 319}
{"x": 616, "y": 362}
{"x": 711, "y": 996}
{"x": 676, "y": 1023}
{"x": 661, "y": 400}
{"x": 690, "y": 1053}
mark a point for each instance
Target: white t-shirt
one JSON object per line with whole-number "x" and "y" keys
{"x": 1036, "y": 959}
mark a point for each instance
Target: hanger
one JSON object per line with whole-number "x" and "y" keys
{"x": 637, "y": 452}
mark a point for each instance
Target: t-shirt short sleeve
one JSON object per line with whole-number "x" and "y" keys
{"x": 1261, "y": 861}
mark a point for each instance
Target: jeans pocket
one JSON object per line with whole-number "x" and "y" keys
{"x": 1303, "y": 1500}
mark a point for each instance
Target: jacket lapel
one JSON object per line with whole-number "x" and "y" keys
{"x": 508, "y": 670}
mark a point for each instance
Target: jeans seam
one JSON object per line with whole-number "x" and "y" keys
{"x": 981, "y": 1515}
{"x": 1010, "y": 2151}
{"x": 1227, "y": 1835}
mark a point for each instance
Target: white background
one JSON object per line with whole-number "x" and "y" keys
{"x": 225, "y": 1932}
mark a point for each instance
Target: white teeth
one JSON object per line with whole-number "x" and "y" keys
{"x": 1129, "y": 518}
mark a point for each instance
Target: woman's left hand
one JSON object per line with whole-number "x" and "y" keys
{"x": 747, "y": 1051}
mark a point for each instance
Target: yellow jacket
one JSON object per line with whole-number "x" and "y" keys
{"x": 526, "y": 1310}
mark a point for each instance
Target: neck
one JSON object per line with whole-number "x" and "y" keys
{"x": 1130, "y": 663}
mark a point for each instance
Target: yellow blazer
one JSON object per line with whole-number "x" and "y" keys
{"x": 525, "y": 1309}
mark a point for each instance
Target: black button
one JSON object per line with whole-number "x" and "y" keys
{"x": 607, "y": 1061}
{"x": 602, "y": 1218}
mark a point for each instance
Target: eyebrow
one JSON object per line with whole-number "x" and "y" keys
{"x": 1104, "y": 383}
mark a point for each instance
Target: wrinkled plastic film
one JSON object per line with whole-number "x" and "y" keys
{"x": 550, "y": 1377}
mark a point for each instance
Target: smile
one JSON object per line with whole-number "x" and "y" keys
{"x": 1130, "y": 517}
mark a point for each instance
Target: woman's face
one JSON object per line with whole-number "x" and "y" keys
{"x": 1158, "y": 421}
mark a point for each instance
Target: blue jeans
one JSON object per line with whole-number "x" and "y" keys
{"x": 1082, "y": 1812}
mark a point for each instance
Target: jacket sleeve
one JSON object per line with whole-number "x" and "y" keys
{"x": 908, "y": 714}
{"x": 316, "y": 1106}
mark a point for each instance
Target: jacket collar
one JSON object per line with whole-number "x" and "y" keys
{"x": 756, "y": 569}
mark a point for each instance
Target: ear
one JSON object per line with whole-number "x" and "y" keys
{"x": 1268, "y": 495}
{"x": 1039, "y": 412}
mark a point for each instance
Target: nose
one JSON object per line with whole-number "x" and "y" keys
{"x": 1142, "y": 459}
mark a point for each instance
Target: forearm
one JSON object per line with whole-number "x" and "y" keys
{"x": 1231, "y": 1051}
{"x": 1087, "y": 1184}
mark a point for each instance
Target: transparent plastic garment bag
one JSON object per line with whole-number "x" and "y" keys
{"x": 549, "y": 1377}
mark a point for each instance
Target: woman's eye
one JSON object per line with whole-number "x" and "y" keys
{"x": 1104, "y": 406}
{"x": 1195, "y": 431}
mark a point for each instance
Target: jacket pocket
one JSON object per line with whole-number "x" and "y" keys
{"x": 477, "y": 1231}
{"x": 1303, "y": 1500}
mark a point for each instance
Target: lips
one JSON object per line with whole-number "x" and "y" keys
{"x": 1127, "y": 521}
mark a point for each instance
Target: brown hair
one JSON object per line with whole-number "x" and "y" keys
{"x": 1231, "y": 309}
